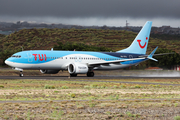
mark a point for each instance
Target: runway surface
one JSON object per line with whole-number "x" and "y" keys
{"x": 95, "y": 77}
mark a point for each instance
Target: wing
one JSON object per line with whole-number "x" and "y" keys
{"x": 112, "y": 62}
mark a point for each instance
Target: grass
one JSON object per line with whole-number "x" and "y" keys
{"x": 83, "y": 109}
{"x": 66, "y": 90}
{"x": 103, "y": 99}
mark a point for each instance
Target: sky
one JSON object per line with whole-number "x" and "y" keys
{"x": 92, "y": 12}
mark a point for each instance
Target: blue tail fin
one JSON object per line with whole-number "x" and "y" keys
{"x": 140, "y": 43}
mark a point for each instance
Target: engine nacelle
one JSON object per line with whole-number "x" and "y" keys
{"x": 77, "y": 68}
{"x": 49, "y": 71}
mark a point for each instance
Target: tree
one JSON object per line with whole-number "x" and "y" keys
{"x": 4, "y": 55}
{"x": 79, "y": 47}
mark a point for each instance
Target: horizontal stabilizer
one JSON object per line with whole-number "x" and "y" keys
{"x": 152, "y": 53}
{"x": 152, "y": 59}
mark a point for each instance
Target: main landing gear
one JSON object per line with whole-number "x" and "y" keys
{"x": 90, "y": 74}
{"x": 21, "y": 74}
{"x": 73, "y": 75}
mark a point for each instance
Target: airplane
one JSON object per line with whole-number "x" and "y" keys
{"x": 83, "y": 62}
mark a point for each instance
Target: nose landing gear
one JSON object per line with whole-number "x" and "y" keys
{"x": 19, "y": 69}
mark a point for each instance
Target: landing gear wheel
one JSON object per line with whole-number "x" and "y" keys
{"x": 90, "y": 74}
{"x": 73, "y": 75}
{"x": 21, "y": 74}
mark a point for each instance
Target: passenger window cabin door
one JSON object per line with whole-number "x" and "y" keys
{"x": 131, "y": 57}
{"x": 30, "y": 57}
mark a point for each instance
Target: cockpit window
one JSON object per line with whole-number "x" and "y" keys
{"x": 16, "y": 56}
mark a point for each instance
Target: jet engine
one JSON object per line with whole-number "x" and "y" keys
{"x": 49, "y": 71}
{"x": 77, "y": 68}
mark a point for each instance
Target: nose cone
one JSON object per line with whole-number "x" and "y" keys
{"x": 7, "y": 62}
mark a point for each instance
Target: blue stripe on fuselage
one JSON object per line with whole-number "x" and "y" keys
{"x": 122, "y": 55}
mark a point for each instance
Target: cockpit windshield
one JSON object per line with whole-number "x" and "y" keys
{"x": 16, "y": 56}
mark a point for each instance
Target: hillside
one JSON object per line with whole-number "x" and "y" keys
{"x": 2, "y": 36}
{"x": 34, "y": 39}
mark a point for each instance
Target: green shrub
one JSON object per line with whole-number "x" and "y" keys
{"x": 1, "y": 86}
{"x": 94, "y": 86}
{"x": 49, "y": 87}
{"x": 137, "y": 86}
{"x": 6, "y": 44}
{"x": 86, "y": 87}
{"x": 156, "y": 86}
{"x": 64, "y": 87}
{"x": 177, "y": 117}
{"x": 175, "y": 104}
{"x": 129, "y": 114}
{"x": 103, "y": 86}
{"x": 115, "y": 86}
{"x": 91, "y": 104}
{"x": 131, "y": 87}
{"x": 72, "y": 95}
{"x": 117, "y": 97}
{"x": 92, "y": 98}
{"x": 123, "y": 86}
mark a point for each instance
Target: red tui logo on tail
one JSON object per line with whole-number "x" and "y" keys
{"x": 140, "y": 43}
